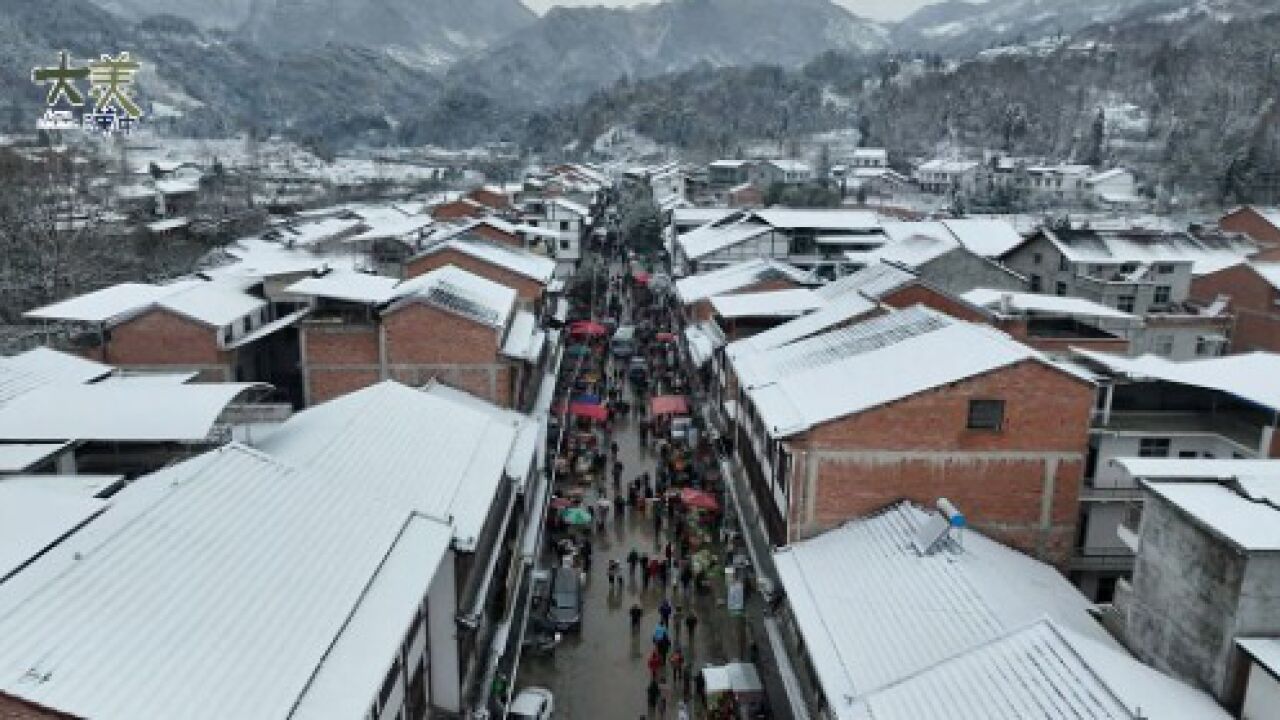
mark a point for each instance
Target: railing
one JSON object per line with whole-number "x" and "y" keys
{"x": 1090, "y": 493}
{"x": 1110, "y": 558}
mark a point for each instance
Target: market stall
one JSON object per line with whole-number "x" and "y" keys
{"x": 734, "y": 692}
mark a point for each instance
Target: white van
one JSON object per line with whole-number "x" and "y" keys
{"x": 623, "y": 343}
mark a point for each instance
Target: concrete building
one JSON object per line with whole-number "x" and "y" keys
{"x": 352, "y": 565}
{"x": 448, "y": 324}
{"x": 810, "y": 239}
{"x": 948, "y": 176}
{"x": 1143, "y": 272}
{"x": 914, "y": 404}
{"x": 903, "y": 614}
{"x": 572, "y": 220}
{"x": 724, "y": 174}
{"x": 1055, "y": 324}
{"x": 1149, "y": 407}
{"x": 1206, "y": 580}
{"x": 781, "y": 172}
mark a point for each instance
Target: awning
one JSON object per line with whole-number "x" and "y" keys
{"x": 699, "y": 499}
{"x": 594, "y": 412}
{"x": 669, "y": 405}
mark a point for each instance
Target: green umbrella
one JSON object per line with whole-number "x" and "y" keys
{"x": 576, "y": 516}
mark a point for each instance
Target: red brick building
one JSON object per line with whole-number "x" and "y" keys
{"x": 1262, "y": 225}
{"x": 525, "y": 272}
{"x": 214, "y": 329}
{"x": 448, "y": 324}
{"x": 1253, "y": 289}
{"x": 492, "y": 199}
{"x": 915, "y": 405}
{"x": 462, "y": 209}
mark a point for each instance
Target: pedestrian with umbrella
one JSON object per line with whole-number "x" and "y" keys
{"x": 655, "y": 664}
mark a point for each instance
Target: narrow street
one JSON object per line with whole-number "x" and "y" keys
{"x": 600, "y": 671}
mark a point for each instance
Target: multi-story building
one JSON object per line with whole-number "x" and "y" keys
{"x": 1251, "y": 291}
{"x": 810, "y": 239}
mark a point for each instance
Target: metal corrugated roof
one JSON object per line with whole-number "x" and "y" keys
{"x": 460, "y": 292}
{"x": 775, "y": 303}
{"x": 873, "y": 282}
{"x": 32, "y": 519}
{"x": 1254, "y": 377}
{"x": 521, "y": 262}
{"x": 878, "y": 616}
{"x": 734, "y": 277}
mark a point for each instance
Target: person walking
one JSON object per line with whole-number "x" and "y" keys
{"x": 677, "y": 665}
{"x": 655, "y": 665}
{"x": 633, "y": 557}
{"x": 682, "y": 711}
{"x": 637, "y": 614}
{"x": 664, "y": 610}
{"x": 613, "y": 572}
{"x": 652, "y": 693}
{"x": 690, "y": 624}
{"x": 686, "y": 579}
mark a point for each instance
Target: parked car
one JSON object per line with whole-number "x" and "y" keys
{"x": 532, "y": 703}
{"x": 565, "y": 608}
{"x": 623, "y": 343}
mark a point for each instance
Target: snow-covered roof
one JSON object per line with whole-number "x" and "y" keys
{"x": 79, "y": 485}
{"x": 970, "y": 628}
{"x": 833, "y": 313}
{"x": 525, "y": 340}
{"x": 910, "y": 245}
{"x": 874, "y": 281}
{"x": 1254, "y": 377}
{"x": 255, "y": 258}
{"x": 735, "y": 277}
{"x": 528, "y": 428}
{"x": 948, "y": 166}
{"x": 1115, "y": 247}
{"x": 820, "y": 219}
{"x": 212, "y": 302}
{"x": 773, "y": 303}
{"x": 986, "y": 237}
{"x": 730, "y": 163}
{"x": 1246, "y": 471}
{"x": 877, "y": 361}
{"x": 313, "y": 233}
{"x": 32, "y": 519}
{"x": 716, "y": 236}
{"x": 871, "y": 153}
{"x": 118, "y": 411}
{"x": 55, "y": 365}
{"x": 522, "y": 262}
{"x": 699, "y": 215}
{"x": 1264, "y": 650}
{"x": 232, "y": 550}
{"x": 786, "y": 165}
{"x": 459, "y": 292}
{"x": 573, "y": 207}
{"x": 1247, "y": 514}
{"x": 700, "y": 346}
{"x": 160, "y": 226}
{"x": 348, "y": 286}
{"x": 1268, "y": 271}
{"x": 1107, "y": 175}
{"x": 1041, "y": 304}
{"x": 17, "y": 457}
{"x": 427, "y": 452}
{"x": 390, "y": 224}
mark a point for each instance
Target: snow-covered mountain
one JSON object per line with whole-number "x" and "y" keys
{"x": 570, "y": 52}
{"x": 428, "y": 33}
{"x": 961, "y": 27}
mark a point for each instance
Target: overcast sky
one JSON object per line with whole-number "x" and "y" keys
{"x": 876, "y": 9}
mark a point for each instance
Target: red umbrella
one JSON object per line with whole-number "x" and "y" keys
{"x": 669, "y": 405}
{"x": 665, "y": 337}
{"x": 588, "y": 328}
{"x": 560, "y": 503}
{"x": 699, "y": 499}
{"x": 595, "y": 412}
{"x": 641, "y": 277}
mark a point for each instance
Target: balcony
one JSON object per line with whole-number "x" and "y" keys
{"x": 1090, "y": 493}
{"x": 1102, "y": 559}
{"x": 1231, "y": 427}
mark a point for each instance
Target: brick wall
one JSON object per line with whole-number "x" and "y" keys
{"x": 12, "y": 708}
{"x": 1247, "y": 221}
{"x": 1257, "y": 319}
{"x": 528, "y": 290}
{"x": 920, "y": 449}
{"x": 160, "y": 339}
{"x": 424, "y": 342}
{"x": 488, "y": 232}
{"x": 916, "y": 294}
{"x": 338, "y": 359}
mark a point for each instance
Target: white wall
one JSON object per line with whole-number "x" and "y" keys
{"x": 442, "y": 634}
{"x": 1110, "y": 475}
{"x": 1262, "y": 697}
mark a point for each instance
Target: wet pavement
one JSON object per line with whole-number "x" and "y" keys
{"x": 600, "y": 671}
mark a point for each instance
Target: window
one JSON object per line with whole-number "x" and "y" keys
{"x": 564, "y": 226}
{"x": 1154, "y": 447}
{"x": 1162, "y": 295}
{"x": 1037, "y": 258}
{"x": 1035, "y": 283}
{"x": 564, "y": 244}
{"x": 1205, "y": 346}
{"x": 1164, "y": 269}
{"x": 1060, "y": 288}
{"x": 227, "y": 334}
{"x": 1124, "y": 303}
{"x": 986, "y": 414}
{"x": 1163, "y": 345}
{"x": 1063, "y": 264}
{"x": 1106, "y": 589}
{"x": 246, "y": 323}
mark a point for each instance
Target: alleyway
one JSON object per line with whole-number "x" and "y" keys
{"x": 600, "y": 672}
